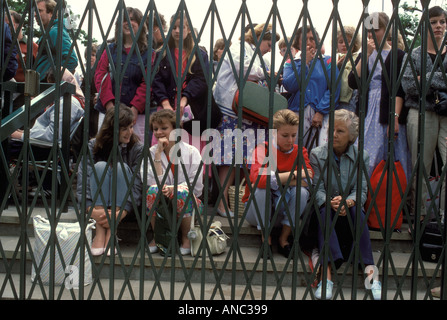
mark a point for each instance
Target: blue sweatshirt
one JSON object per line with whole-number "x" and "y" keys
{"x": 317, "y": 91}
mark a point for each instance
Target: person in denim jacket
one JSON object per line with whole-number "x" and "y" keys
{"x": 343, "y": 193}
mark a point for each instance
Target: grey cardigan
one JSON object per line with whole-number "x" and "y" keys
{"x": 318, "y": 157}
{"x": 409, "y": 84}
{"x": 131, "y": 157}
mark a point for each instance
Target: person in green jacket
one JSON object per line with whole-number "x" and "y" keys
{"x": 47, "y": 57}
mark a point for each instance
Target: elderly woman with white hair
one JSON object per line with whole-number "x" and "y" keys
{"x": 342, "y": 191}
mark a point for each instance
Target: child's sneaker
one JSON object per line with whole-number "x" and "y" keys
{"x": 376, "y": 290}
{"x": 329, "y": 286}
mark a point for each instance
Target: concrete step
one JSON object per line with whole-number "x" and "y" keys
{"x": 119, "y": 289}
{"x": 248, "y": 236}
{"x": 239, "y": 265}
{"x": 242, "y": 262}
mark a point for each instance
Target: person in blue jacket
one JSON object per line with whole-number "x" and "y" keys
{"x": 8, "y": 67}
{"x": 317, "y": 95}
{"x": 47, "y": 58}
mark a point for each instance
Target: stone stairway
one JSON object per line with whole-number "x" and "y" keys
{"x": 241, "y": 264}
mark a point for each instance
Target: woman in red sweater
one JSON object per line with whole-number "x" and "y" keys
{"x": 279, "y": 164}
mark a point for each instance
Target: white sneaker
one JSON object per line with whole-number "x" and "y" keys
{"x": 376, "y": 290}
{"x": 185, "y": 251}
{"x": 329, "y": 286}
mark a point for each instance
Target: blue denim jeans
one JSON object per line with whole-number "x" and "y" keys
{"x": 105, "y": 196}
{"x": 289, "y": 198}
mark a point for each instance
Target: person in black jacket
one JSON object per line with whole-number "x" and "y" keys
{"x": 192, "y": 65}
{"x": 99, "y": 192}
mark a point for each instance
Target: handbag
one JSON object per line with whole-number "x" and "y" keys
{"x": 199, "y": 108}
{"x": 311, "y": 142}
{"x": 215, "y": 238}
{"x": 256, "y": 103}
{"x": 440, "y": 102}
{"x": 380, "y": 201}
{"x": 68, "y": 234}
{"x": 163, "y": 231}
{"x": 431, "y": 243}
{"x": 232, "y": 198}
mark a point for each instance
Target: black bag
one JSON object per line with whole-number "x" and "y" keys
{"x": 440, "y": 101}
{"x": 199, "y": 108}
{"x": 163, "y": 232}
{"x": 311, "y": 142}
{"x": 431, "y": 242}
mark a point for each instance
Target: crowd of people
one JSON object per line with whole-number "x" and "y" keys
{"x": 181, "y": 82}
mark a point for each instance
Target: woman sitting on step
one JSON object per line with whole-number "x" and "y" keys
{"x": 174, "y": 183}
{"x": 99, "y": 189}
{"x": 342, "y": 192}
{"x": 283, "y": 156}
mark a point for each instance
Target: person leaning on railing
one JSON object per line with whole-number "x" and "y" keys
{"x": 343, "y": 202}
{"x": 42, "y": 131}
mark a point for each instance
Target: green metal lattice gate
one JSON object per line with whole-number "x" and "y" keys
{"x": 240, "y": 272}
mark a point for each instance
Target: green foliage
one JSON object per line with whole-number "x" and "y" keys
{"x": 410, "y": 20}
{"x": 20, "y": 6}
